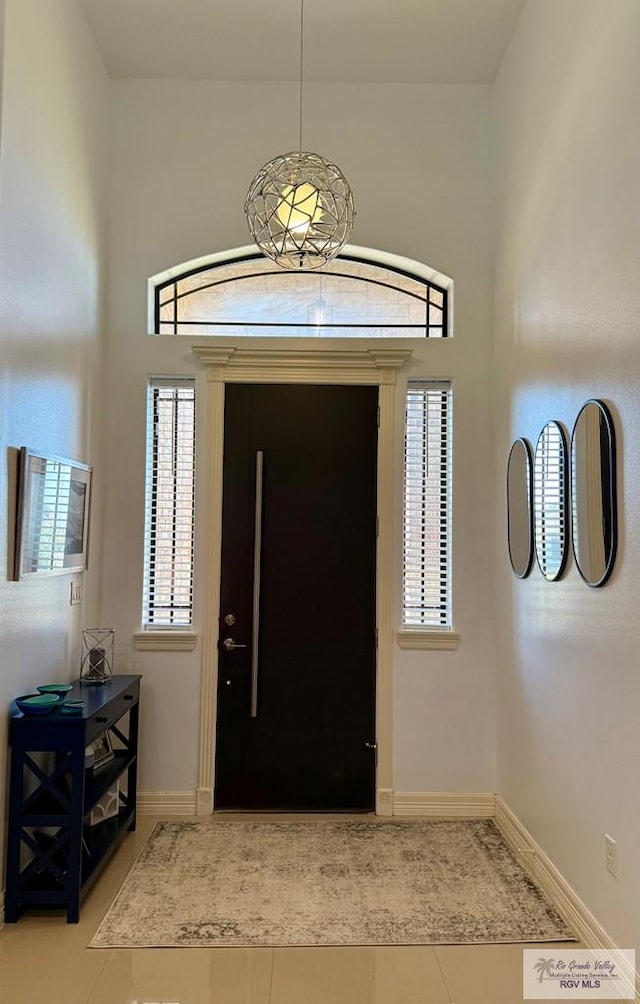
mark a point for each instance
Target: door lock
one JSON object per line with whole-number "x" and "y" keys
{"x": 229, "y": 619}
{"x": 230, "y": 644}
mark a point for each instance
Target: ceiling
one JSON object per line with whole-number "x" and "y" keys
{"x": 373, "y": 41}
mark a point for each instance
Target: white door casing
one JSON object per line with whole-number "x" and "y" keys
{"x": 376, "y": 366}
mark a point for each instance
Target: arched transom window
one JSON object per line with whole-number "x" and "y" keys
{"x": 350, "y": 297}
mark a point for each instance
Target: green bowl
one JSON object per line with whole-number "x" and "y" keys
{"x": 72, "y": 708}
{"x": 55, "y": 688}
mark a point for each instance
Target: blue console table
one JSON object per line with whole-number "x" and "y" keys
{"x": 53, "y": 854}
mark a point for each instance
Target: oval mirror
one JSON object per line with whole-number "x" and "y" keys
{"x": 550, "y": 501}
{"x": 593, "y": 492}
{"x": 519, "y": 508}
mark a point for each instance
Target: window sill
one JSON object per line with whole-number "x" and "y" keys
{"x": 165, "y": 641}
{"x": 418, "y": 638}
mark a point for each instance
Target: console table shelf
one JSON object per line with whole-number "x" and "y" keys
{"x": 51, "y": 790}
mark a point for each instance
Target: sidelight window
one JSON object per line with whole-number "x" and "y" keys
{"x": 169, "y": 504}
{"x": 427, "y": 506}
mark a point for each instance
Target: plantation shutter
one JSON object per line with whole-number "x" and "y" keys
{"x": 427, "y": 506}
{"x": 169, "y": 504}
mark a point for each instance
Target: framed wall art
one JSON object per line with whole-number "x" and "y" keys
{"x": 52, "y": 525}
{"x": 102, "y": 750}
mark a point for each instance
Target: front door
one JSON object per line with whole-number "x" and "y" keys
{"x": 296, "y": 668}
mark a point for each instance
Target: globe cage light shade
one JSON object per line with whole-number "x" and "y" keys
{"x": 300, "y": 210}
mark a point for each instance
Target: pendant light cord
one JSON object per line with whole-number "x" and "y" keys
{"x": 301, "y": 63}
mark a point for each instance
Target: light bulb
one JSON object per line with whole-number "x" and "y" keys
{"x": 299, "y": 208}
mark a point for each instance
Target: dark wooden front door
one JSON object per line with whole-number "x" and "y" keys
{"x": 296, "y": 669}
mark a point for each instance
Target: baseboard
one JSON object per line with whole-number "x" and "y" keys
{"x": 408, "y": 803}
{"x": 444, "y": 804}
{"x": 552, "y": 882}
{"x": 542, "y": 869}
{"x": 166, "y": 803}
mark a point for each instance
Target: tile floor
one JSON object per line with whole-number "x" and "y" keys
{"x": 43, "y": 960}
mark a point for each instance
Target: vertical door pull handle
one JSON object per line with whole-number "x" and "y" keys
{"x": 257, "y": 566}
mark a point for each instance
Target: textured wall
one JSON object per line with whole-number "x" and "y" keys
{"x": 566, "y": 106}
{"x": 54, "y": 113}
{"x": 417, "y": 158}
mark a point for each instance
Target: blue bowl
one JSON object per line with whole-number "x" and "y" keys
{"x": 37, "y": 704}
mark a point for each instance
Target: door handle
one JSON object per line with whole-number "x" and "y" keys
{"x": 230, "y": 644}
{"x": 257, "y": 584}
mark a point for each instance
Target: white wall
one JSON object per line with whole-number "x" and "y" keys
{"x": 417, "y": 158}
{"x": 566, "y": 110}
{"x": 2, "y": 20}
{"x": 54, "y": 114}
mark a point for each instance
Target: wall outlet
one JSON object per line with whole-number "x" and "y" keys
{"x": 76, "y": 594}
{"x": 611, "y": 855}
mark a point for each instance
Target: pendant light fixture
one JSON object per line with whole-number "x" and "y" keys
{"x": 299, "y": 206}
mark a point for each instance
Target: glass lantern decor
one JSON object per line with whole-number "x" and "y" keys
{"x": 96, "y": 664}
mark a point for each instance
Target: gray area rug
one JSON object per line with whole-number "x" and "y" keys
{"x": 212, "y": 883}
